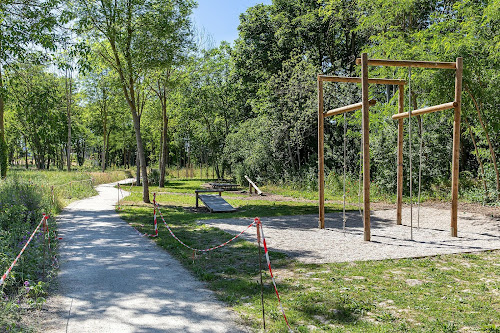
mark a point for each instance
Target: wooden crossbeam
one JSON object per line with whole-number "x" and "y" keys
{"x": 430, "y": 109}
{"x": 346, "y": 79}
{"x": 347, "y": 108}
{"x": 409, "y": 63}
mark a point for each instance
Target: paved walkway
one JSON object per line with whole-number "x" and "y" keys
{"x": 114, "y": 280}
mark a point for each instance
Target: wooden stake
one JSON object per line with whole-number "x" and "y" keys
{"x": 456, "y": 148}
{"x": 321, "y": 152}
{"x": 260, "y": 270}
{"x": 366, "y": 146}
{"x": 399, "y": 207}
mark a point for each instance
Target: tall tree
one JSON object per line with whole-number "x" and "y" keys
{"x": 23, "y": 24}
{"x": 123, "y": 29}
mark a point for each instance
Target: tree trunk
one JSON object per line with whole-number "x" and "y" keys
{"x": 104, "y": 147}
{"x": 142, "y": 158}
{"x": 69, "y": 92}
{"x": 26, "y": 151}
{"x": 477, "y": 157}
{"x": 3, "y": 144}
{"x": 107, "y": 147}
{"x": 138, "y": 173}
{"x": 485, "y": 129}
{"x": 164, "y": 146}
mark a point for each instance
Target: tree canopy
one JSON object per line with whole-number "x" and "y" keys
{"x": 147, "y": 95}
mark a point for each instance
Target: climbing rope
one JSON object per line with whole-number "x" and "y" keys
{"x": 421, "y": 127}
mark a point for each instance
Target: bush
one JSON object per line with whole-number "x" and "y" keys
{"x": 22, "y": 204}
{"x": 154, "y": 177}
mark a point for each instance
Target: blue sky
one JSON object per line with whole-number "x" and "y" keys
{"x": 220, "y": 18}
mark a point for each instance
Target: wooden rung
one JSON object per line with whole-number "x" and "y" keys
{"x": 346, "y": 79}
{"x": 348, "y": 108}
{"x": 430, "y": 109}
{"x": 409, "y": 63}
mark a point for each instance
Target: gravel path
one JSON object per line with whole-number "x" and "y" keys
{"x": 300, "y": 238}
{"x": 114, "y": 280}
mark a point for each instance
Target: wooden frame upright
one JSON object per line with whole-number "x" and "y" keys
{"x": 365, "y": 106}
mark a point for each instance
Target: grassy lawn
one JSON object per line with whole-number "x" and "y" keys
{"x": 69, "y": 186}
{"x": 448, "y": 293}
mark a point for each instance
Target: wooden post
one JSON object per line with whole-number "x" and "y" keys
{"x": 456, "y": 148}
{"x": 366, "y": 146}
{"x": 321, "y": 152}
{"x": 401, "y": 106}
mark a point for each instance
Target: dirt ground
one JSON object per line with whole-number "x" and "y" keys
{"x": 300, "y": 238}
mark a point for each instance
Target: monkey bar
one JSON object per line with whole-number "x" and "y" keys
{"x": 365, "y": 105}
{"x": 348, "y": 108}
{"x": 409, "y": 63}
{"x": 346, "y": 79}
{"x": 430, "y": 109}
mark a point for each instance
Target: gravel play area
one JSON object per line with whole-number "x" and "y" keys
{"x": 300, "y": 238}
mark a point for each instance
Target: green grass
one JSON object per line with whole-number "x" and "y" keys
{"x": 452, "y": 293}
{"x": 69, "y": 186}
{"x": 24, "y": 196}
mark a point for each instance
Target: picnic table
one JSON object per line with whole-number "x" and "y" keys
{"x": 225, "y": 186}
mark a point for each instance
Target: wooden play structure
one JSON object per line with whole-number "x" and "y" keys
{"x": 214, "y": 203}
{"x": 365, "y": 107}
{"x": 252, "y": 186}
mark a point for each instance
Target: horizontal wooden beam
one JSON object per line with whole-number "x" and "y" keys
{"x": 348, "y": 108}
{"x": 430, "y": 109}
{"x": 346, "y": 79}
{"x": 409, "y": 63}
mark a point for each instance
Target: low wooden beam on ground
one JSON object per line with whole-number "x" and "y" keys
{"x": 348, "y": 108}
{"x": 346, "y": 79}
{"x": 430, "y": 109}
{"x": 409, "y": 63}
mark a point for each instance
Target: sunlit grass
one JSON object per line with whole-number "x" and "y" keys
{"x": 449, "y": 293}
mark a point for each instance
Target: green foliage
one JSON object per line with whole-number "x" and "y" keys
{"x": 24, "y": 197}
{"x": 23, "y": 204}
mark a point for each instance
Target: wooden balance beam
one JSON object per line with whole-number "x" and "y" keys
{"x": 252, "y": 185}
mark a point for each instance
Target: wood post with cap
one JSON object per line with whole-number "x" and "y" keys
{"x": 321, "y": 156}
{"x": 456, "y": 147}
{"x": 366, "y": 145}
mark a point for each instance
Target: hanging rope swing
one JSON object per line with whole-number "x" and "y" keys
{"x": 421, "y": 130}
